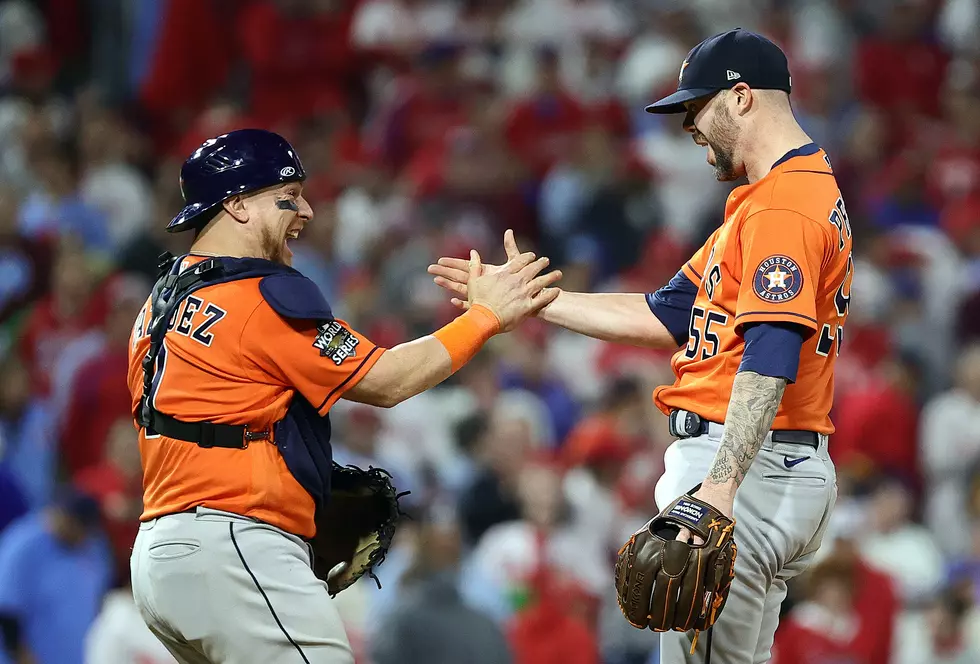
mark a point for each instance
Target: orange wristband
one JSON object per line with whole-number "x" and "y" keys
{"x": 465, "y": 336}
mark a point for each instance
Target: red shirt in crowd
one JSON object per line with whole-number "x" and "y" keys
{"x": 954, "y": 172}
{"x": 182, "y": 80}
{"x": 298, "y": 64}
{"x": 892, "y": 74}
{"x": 903, "y": 78}
{"x": 876, "y": 606}
{"x": 419, "y": 118}
{"x": 544, "y": 129}
{"x": 961, "y": 220}
{"x": 47, "y": 333}
{"x": 800, "y": 643}
{"x": 612, "y": 115}
{"x": 555, "y": 628}
{"x": 99, "y": 398}
{"x": 877, "y": 603}
{"x": 542, "y": 634}
{"x": 877, "y": 423}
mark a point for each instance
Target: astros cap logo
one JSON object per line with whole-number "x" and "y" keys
{"x": 680, "y": 75}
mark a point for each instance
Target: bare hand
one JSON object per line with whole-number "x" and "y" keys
{"x": 513, "y": 291}
{"x": 453, "y": 274}
{"x": 719, "y": 498}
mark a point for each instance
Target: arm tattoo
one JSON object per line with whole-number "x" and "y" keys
{"x": 751, "y": 410}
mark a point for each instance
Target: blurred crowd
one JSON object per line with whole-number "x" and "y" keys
{"x": 427, "y": 128}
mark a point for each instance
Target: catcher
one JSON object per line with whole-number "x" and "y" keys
{"x": 248, "y": 526}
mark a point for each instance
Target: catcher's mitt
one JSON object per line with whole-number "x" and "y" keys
{"x": 355, "y": 527}
{"x": 664, "y": 584}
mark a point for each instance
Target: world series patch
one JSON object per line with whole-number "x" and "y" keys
{"x": 777, "y": 279}
{"x": 336, "y": 342}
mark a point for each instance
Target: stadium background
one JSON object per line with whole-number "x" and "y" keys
{"x": 428, "y": 127}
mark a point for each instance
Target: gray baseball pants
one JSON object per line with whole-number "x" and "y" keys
{"x": 219, "y": 588}
{"x": 781, "y": 512}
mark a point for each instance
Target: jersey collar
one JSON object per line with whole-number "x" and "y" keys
{"x": 802, "y": 151}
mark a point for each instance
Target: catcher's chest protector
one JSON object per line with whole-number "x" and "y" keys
{"x": 302, "y": 436}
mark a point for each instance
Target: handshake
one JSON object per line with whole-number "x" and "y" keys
{"x": 513, "y": 291}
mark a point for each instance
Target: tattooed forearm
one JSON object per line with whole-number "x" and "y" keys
{"x": 751, "y": 411}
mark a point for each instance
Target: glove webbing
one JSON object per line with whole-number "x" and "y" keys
{"x": 387, "y": 531}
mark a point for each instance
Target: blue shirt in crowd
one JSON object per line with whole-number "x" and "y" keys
{"x": 54, "y": 591}
{"x": 29, "y": 451}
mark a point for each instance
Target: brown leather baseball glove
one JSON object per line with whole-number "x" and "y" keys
{"x": 355, "y": 528}
{"x": 664, "y": 584}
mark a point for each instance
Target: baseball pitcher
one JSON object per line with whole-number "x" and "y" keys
{"x": 758, "y": 315}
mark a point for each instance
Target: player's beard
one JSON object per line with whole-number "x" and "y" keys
{"x": 274, "y": 245}
{"x": 723, "y": 141}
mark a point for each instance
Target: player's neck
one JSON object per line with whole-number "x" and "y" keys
{"x": 215, "y": 240}
{"x": 230, "y": 249}
{"x": 768, "y": 146}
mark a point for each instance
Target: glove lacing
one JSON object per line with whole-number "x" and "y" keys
{"x": 716, "y": 600}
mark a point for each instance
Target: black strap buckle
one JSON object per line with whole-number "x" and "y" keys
{"x": 255, "y": 435}
{"x": 685, "y": 424}
{"x": 209, "y": 431}
{"x": 165, "y": 262}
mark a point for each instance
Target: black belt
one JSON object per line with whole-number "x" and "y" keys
{"x": 695, "y": 425}
{"x": 205, "y": 434}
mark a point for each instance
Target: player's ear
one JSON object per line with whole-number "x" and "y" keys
{"x": 741, "y": 97}
{"x": 235, "y": 206}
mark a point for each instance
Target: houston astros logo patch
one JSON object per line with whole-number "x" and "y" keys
{"x": 777, "y": 279}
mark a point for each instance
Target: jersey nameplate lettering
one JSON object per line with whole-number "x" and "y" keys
{"x": 336, "y": 342}
{"x": 194, "y": 318}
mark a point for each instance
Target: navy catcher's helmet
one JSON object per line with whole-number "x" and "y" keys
{"x": 234, "y": 163}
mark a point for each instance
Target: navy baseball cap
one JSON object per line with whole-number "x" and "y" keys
{"x": 723, "y": 61}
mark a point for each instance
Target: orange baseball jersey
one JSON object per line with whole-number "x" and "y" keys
{"x": 230, "y": 358}
{"x": 783, "y": 254}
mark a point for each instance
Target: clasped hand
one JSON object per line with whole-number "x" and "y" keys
{"x": 513, "y": 291}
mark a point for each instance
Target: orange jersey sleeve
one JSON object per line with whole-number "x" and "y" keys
{"x": 321, "y": 362}
{"x": 694, "y": 269}
{"x": 782, "y": 255}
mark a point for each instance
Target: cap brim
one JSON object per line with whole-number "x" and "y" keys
{"x": 675, "y": 103}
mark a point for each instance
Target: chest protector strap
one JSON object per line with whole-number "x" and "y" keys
{"x": 172, "y": 288}
{"x": 302, "y": 436}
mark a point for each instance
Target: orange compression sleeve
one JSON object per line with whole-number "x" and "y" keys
{"x": 465, "y": 336}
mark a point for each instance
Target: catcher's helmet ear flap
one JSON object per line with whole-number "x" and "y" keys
{"x": 234, "y": 163}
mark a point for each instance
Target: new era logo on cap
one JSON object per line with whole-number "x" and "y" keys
{"x": 733, "y": 75}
